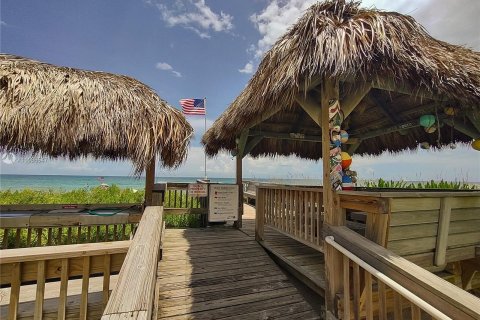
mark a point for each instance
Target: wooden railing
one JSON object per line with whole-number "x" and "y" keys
{"x": 377, "y": 283}
{"x": 295, "y": 211}
{"x": 50, "y": 225}
{"x": 22, "y": 267}
{"x": 178, "y": 202}
{"x": 134, "y": 294}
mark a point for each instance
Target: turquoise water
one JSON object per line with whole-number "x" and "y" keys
{"x": 59, "y": 182}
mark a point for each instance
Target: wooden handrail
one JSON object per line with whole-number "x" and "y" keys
{"x": 442, "y": 295}
{"x": 134, "y": 293}
{"x": 40, "y": 265}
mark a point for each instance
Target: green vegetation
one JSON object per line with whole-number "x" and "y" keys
{"x": 113, "y": 194}
{"x": 66, "y": 235}
{"x": 444, "y": 185}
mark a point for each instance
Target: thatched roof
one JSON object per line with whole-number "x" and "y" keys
{"x": 66, "y": 112}
{"x": 410, "y": 74}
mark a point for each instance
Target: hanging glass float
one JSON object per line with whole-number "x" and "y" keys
{"x": 431, "y": 129}
{"x": 450, "y": 111}
{"x": 425, "y": 145}
{"x": 427, "y": 120}
{"x": 476, "y": 144}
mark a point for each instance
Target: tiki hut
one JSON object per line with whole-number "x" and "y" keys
{"x": 67, "y": 112}
{"x": 390, "y": 72}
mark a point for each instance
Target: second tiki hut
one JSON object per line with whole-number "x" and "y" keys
{"x": 391, "y": 72}
{"x": 66, "y": 112}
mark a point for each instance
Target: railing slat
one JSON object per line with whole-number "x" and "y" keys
{"x": 106, "y": 281}
{"x": 382, "y": 300}
{"x": 346, "y": 287}
{"x": 39, "y": 237}
{"x": 368, "y": 296}
{"x": 14, "y": 291}
{"x": 17, "y": 237}
{"x": 40, "y": 290}
{"x": 49, "y": 237}
{"x": 85, "y": 282}
{"x": 356, "y": 290}
{"x": 397, "y": 306}
{"x": 62, "y": 301}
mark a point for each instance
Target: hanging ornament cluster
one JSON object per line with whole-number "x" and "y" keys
{"x": 341, "y": 177}
{"x": 335, "y": 117}
{"x": 349, "y": 177}
{"x": 428, "y": 121}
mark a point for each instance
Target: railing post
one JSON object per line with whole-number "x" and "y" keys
{"x": 260, "y": 214}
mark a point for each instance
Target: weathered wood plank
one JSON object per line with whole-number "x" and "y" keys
{"x": 135, "y": 287}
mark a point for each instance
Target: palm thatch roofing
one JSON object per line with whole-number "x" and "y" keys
{"x": 387, "y": 60}
{"x": 66, "y": 112}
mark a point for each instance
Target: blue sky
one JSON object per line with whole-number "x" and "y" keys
{"x": 201, "y": 48}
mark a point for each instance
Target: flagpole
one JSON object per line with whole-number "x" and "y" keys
{"x": 204, "y": 131}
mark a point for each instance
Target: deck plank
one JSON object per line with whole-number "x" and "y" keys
{"x": 217, "y": 273}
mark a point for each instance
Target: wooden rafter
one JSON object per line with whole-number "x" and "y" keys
{"x": 292, "y": 136}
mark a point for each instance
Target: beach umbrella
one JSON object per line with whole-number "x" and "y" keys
{"x": 66, "y": 112}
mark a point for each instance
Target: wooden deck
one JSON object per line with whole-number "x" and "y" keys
{"x": 305, "y": 263}
{"x": 222, "y": 273}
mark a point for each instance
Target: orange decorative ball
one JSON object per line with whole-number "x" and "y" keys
{"x": 346, "y": 160}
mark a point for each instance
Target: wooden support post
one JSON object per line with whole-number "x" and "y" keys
{"x": 333, "y": 213}
{"x": 260, "y": 215}
{"x": 149, "y": 181}
{"x": 242, "y": 141}
{"x": 443, "y": 230}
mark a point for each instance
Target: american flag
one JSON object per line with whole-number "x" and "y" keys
{"x": 193, "y": 106}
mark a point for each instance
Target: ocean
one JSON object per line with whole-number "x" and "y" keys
{"x": 61, "y": 182}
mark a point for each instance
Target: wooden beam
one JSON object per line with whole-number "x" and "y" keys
{"x": 251, "y": 144}
{"x": 443, "y": 230}
{"x": 310, "y": 106}
{"x": 475, "y": 119}
{"x": 381, "y": 104}
{"x": 463, "y": 128}
{"x": 351, "y": 101}
{"x": 242, "y": 141}
{"x": 293, "y": 136}
{"x": 333, "y": 258}
{"x": 353, "y": 147}
{"x": 383, "y": 131}
{"x": 149, "y": 181}
{"x": 395, "y": 86}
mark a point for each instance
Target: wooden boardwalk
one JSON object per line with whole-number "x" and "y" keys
{"x": 222, "y": 273}
{"x": 305, "y": 263}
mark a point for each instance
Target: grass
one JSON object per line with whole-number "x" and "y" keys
{"x": 112, "y": 195}
{"x": 442, "y": 185}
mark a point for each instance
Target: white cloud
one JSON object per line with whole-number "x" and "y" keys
{"x": 198, "y": 124}
{"x": 177, "y": 74}
{"x": 194, "y": 15}
{"x": 3, "y": 23}
{"x": 275, "y": 20}
{"x": 248, "y": 68}
{"x": 163, "y": 66}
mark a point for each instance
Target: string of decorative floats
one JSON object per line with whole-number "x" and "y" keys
{"x": 341, "y": 177}
{"x": 431, "y": 123}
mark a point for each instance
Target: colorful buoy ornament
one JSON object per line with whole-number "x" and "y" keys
{"x": 427, "y": 120}
{"x": 476, "y": 144}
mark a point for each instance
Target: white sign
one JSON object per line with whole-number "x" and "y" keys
{"x": 197, "y": 189}
{"x": 223, "y": 202}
